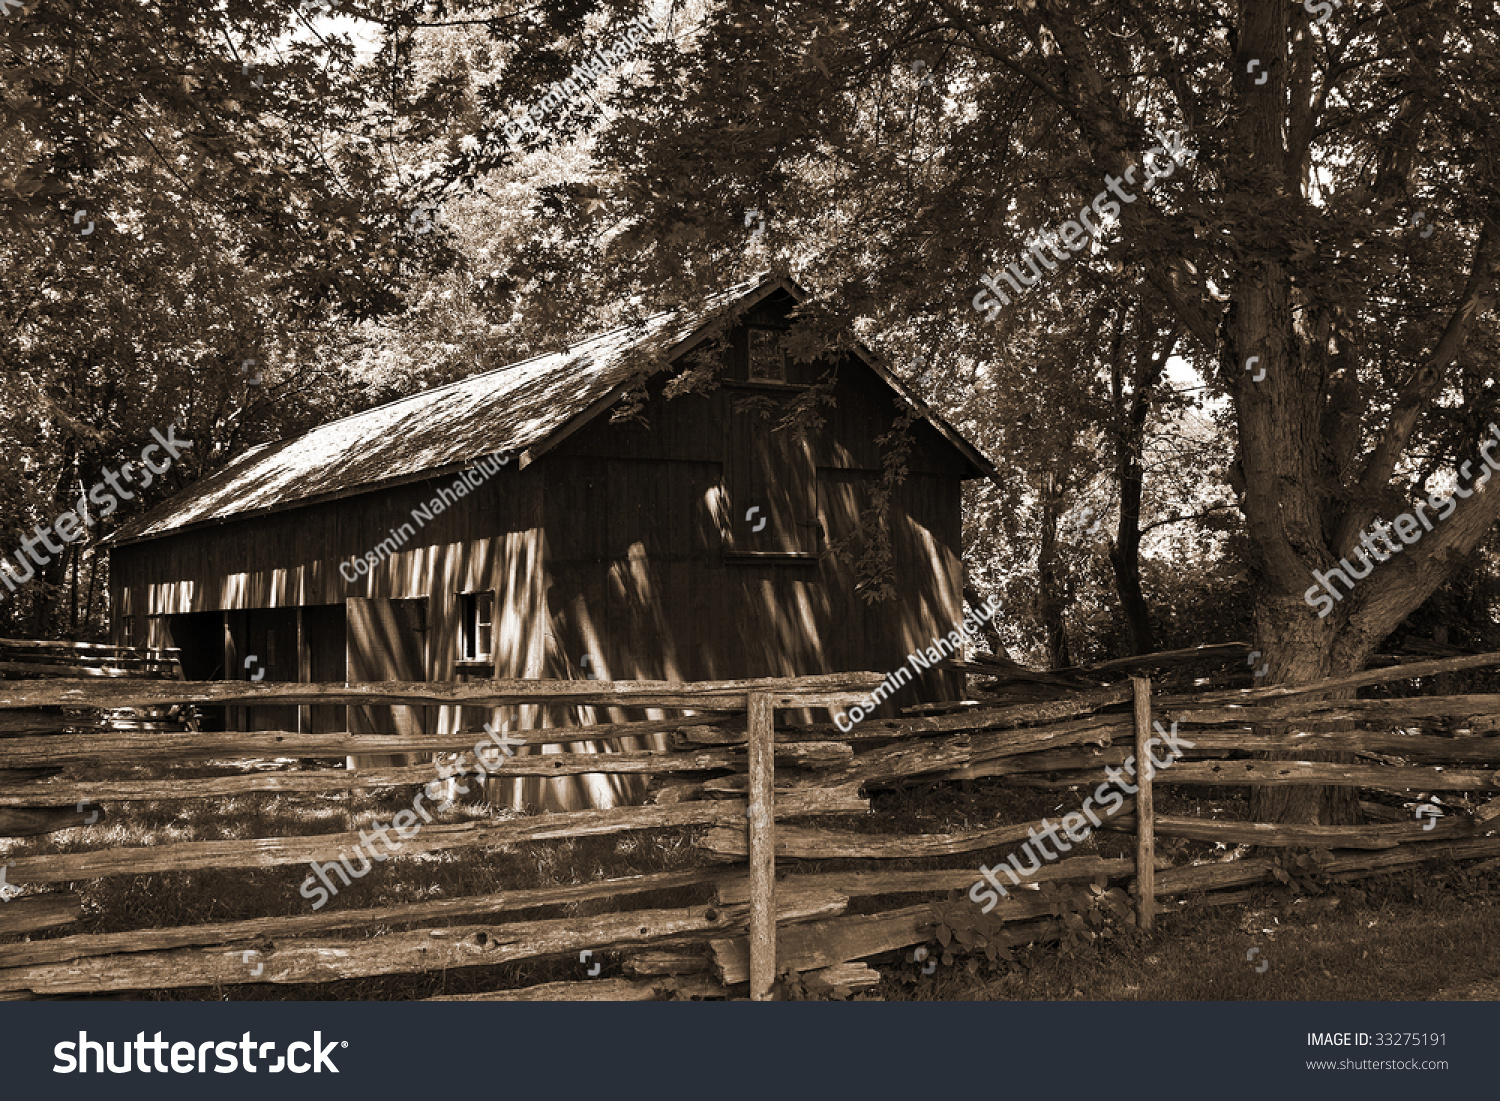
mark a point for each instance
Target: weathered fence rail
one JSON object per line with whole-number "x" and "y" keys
{"x": 42, "y": 790}
{"x": 34, "y": 658}
{"x": 736, "y": 780}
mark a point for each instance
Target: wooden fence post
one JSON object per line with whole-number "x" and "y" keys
{"x": 762, "y": 846}
{"x": 1145, "y": 811}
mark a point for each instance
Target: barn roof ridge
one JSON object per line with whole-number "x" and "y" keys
{"x": 520, "y": 408}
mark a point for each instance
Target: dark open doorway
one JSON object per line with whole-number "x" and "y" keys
{"x": 388, "y": 641}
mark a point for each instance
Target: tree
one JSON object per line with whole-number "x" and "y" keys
{"x": 192, "y": 206}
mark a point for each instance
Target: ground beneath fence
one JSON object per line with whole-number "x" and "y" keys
{"x": 1424, "y": 935}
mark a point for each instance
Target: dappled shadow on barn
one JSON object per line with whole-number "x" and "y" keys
{"x": 720, "y": 534}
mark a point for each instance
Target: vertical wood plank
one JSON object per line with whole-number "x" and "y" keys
{"x": 234, "y": 717}
{"x": 762, "y": 848}
{"x": 304, "y": 670}
{"x": 1145, "y": 811}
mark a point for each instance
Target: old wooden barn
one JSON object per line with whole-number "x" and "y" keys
{"x": 690, "y": 542}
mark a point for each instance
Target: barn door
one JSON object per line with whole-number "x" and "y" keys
{"x": 387, "y": 641}
{"x": 325, "y": 630}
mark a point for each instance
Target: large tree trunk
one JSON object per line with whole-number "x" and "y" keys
{"x": 1314, "y": 472}
{"x": 1304, "y": 653}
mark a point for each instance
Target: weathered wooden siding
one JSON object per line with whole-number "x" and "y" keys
{"x": 611, "y": 547}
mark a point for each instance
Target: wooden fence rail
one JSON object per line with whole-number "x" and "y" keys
{"x": 835, "y": 690}
{"x": 31, "y": 790}
{"x": 33, "y": 658}
{"x": 733, "y": 778}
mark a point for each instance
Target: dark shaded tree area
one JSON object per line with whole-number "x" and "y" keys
{"x": 196, "y": 205}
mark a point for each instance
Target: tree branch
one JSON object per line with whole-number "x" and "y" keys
{"x": 1423, "y": 386}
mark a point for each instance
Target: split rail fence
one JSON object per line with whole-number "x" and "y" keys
{"x": 755, "y": 794}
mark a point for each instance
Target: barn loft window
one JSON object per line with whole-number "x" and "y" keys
{"x": 767, "y": 355}
{"x": 477, "y": 614}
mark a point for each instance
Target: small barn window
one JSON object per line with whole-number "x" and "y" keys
{"x": 767, "y": 355}
{"x": 478, "y": 617}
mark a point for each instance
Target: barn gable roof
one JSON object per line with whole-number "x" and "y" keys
{"x": 522, "y": 410}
